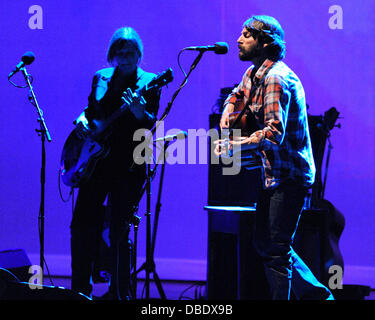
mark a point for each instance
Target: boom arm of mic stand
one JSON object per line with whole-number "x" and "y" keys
{"x": 43, "y": 126}
{"x": 169, "y": 106}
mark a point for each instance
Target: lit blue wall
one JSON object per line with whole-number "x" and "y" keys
{"x": 335, "y": 66}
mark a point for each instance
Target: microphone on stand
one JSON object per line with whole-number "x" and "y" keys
{"x": 218, "y": 48}
{"x": 26, "y": 59}
{"x": 172, "y": 137}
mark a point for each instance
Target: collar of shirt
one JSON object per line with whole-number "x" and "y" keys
{"x": 262, "y": 71}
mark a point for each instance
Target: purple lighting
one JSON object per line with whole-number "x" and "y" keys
{"x": 330, "y": 51}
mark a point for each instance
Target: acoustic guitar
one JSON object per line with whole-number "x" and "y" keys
{"x": 244, "y": 121}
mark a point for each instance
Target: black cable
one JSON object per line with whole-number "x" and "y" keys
{"x": 182, "y": 293}
{"x": 70, "y": 193}
{"x": 179, "y": 64}
{"x": 25, "y": 86}
{"x": 197, "y": 292}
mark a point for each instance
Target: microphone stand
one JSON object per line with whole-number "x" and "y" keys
{"x": 330, "y": 147}
{"x": 44, "y": 134}
{"x": 169, "y": 106}
{"x": 149, "y": 265}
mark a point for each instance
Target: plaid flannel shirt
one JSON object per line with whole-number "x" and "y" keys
{"x": 279, "y": 107}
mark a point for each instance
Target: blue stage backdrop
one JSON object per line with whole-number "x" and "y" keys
{"x": 70, "y": 39}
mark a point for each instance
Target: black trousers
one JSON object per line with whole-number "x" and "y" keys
{"x": 123, "y": 189}
{"x": 277, "y": 215}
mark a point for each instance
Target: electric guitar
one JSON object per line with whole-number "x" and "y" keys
{"x": 86, "y": 144}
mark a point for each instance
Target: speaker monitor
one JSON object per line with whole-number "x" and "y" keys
{"x": 17, "y": 262}
{"x": 11, "y": 289}
{"x": 14, "y": 281}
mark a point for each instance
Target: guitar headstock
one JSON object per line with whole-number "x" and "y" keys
{"x": 161, "y": 80}
{"x": 330, "y": 117}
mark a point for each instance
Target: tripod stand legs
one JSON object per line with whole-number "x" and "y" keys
{"x": 158, "y": 284}
{"x": 149, "y": 267}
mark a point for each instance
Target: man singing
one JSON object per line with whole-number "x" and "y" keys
{"x": 275, "y": 96}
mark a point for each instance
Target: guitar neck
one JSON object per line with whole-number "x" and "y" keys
{"x": 102, "y": 125}
{"x": 156, "y": 83}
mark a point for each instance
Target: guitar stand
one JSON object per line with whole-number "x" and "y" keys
{"x": 149, "y": 265}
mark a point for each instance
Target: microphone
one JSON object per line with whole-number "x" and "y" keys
{"x": 172, "y": 137}
{"x": 26, "y": 59}
{"x": 218, "y": 48}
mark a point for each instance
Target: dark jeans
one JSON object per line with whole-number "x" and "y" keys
{"x": 277, "y": 216}
{"x": 87, "y": 226}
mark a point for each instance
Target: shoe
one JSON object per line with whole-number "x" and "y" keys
{"x": 110, "y": 296}
{"x": 330, "y": 297}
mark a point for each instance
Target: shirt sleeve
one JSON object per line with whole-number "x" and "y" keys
{"x": 98, "y": 90}
{"x": 276, "y": 107}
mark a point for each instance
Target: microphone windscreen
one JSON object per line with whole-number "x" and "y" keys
{"x": 221, "y": 47}
{"x": 181, "y": 135}
{"x": 28, "y": 57}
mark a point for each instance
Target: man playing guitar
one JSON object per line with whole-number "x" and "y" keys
{"x": 112, "y": 88}
{"x": 274, "y": 98}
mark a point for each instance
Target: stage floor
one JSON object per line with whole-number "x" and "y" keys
{"x": 173, "y": 290}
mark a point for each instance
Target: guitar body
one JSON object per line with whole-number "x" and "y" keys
{"x": 86, "y": 144}
{"x": 79, "y": 157}
{"x": 244, "y": 121}
{"x": 335, "y": 227}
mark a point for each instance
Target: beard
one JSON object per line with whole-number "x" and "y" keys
{"x": 250, "y": 54}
